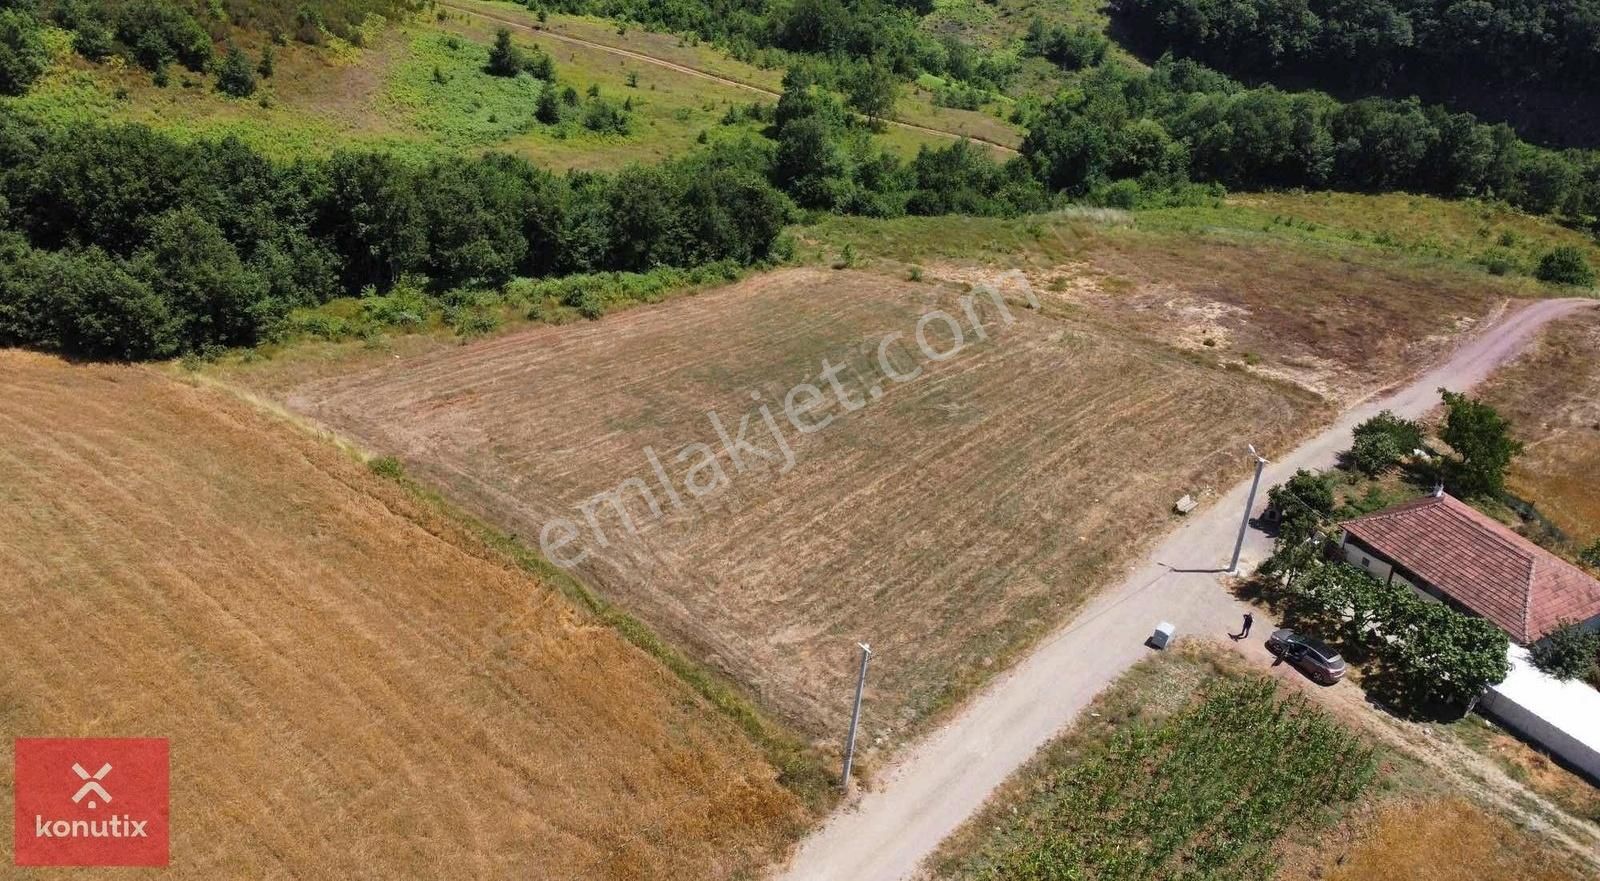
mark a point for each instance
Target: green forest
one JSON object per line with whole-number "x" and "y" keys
{"x": 1532, "y": 62}
{"x": 122, "y": 242}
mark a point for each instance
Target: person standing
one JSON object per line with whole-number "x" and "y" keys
{"x": 1249, "y": 619}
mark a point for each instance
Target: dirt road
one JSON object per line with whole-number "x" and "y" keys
{"x": 680, "y": 68}
{"x": 924, "y": 797}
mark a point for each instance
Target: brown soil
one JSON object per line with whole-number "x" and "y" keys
{"x": 948, "y": 524}
{"x": 352, "y": 685}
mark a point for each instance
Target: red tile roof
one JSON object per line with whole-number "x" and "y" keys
{"x": 1481, "y": 564}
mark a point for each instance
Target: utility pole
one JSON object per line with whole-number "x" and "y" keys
{"x": 855, "y": 716}
{"x": 1233, "y": 567}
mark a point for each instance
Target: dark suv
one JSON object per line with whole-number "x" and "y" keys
{"x": 1312, "y": 657}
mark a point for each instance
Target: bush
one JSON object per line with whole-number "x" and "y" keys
{"x": 604, "y": 117}
{"x": 1565, "y": 265}
{"x": 1374, "y": 454}
{"x": 93, "y": 40}
{"x": 387, "y": 466}
{"x": 1569, "y": 652}
{"x": 23, "y": 56}
{"x": 160, "y": 32}
{"x": 1590, "y": 556}
{"x": 236, "y": 77}
{"x": 1382, "y": 441}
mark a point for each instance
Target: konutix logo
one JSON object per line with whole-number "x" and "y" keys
{"x": 63, "y": 811}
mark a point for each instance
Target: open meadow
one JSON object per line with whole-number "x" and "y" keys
{"x": 354, "y": 684}
{"x": 417, "y": 87}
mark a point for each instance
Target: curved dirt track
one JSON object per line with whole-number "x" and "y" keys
{"x": 945, "y": 779}
{"x": 681, "y": 68}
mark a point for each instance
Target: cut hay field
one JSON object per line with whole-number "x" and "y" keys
{"x": 1552, "y": 396}
{"x": 948, "y": 523}
{"x": 354, "y": 685}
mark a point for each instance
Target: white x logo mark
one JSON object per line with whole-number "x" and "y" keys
{"x": 92, "y": 783}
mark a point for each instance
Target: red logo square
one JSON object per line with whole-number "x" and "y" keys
{"x": 88, "y": 801}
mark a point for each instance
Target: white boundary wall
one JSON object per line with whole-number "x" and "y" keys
{"x": 1563, "y": 718}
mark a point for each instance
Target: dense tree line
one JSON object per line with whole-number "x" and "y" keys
{"x": 1439, "y": 47}
{"x": 825, "y": 160}
{"x": 116, "y": 241}
{"x": 1183, "y": 121}
{"x": 847, "y": 35}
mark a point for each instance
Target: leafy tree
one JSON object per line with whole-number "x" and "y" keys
{"x": 266, "y": 67}
{"x": 160, "y": 32}
{"x": 1301, "y": 506}
{"x": 1069, "y": 152}
{"x": 1074, "y": 49}
{"x": 1565, "y": 265}
{"x": 236, "y": 77}
{"x": 1445, "y": 655}
{"x": 93, "y": 40}
{"x": 1568, "y": 652}
{"x": 505, "y": 59}
{"x": 1382, "y": 441}
{"x": 23, "y": 56}
{"x": 214, "y": 298}
{"x": 871, "y": 90}
{"x": 1482, "y": 441}
{"x": 1375, "y": 453}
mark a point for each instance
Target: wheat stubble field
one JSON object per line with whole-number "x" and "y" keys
{"x": 353, "y": 686}
{"x": 948, "y": 523}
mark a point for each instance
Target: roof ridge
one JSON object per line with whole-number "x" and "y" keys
{"x": 1478, "y": 518}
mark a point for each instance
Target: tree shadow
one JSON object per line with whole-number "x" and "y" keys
{"x": 1384, "y": 686}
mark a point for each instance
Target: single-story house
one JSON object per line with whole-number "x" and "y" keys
{"x": 1450, "y": 551}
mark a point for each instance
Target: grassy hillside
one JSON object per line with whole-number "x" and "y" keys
{"x": 417, "y": 86}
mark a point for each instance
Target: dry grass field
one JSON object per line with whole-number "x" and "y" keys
{"x": 948, "y": 523}
{"x": 353, "y": 685}
{"x": 1552, "y": 395}
{"x": 1339, "y": 319}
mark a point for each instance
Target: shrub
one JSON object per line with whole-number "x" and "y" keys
{"x": 23, "y": 56}
{"x": 1590, "y": 556}
{"x": 600, "y": 115}
{"x": 93, "y": 40}
{"x": 387, "y": 466}
{"x": 1569, "y": 652}
{"x": 1375, "y": 453}
{"x": 1382, "y": 441}
{"x": 236, "y": 77}
{"x": 548, "y": 110}
{"x": 160, "y": 32}
{"x": 1565, "y": 265}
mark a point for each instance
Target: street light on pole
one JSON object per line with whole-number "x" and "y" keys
{"x": 1244, "y": 525}
{"x": 855, "y": 716}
